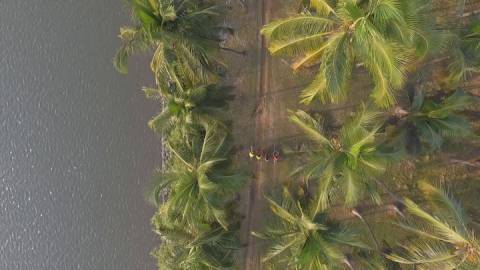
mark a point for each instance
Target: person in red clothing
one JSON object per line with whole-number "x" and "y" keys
{"x": 275, "y": 156}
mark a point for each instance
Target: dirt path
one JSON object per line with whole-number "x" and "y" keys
{"x": 276, "y": 91}
{"x": 262, "y": 119}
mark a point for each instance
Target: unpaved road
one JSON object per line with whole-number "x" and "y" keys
{"x": 262, "y": 137}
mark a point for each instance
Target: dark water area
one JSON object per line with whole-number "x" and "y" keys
{"x": 75, "y": 152}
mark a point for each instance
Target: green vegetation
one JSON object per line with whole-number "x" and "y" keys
{"x": 199, "y": 177}
{"x": 304, "y": 238}
{"x": 430, "y": 122}
{"x": 195, "y": 192}
{"x": 465, "y": 53}
{"x": 346, "y": 164}
{"x": 203, "y": 247}
{"x": 353, "y": 199}
{"x": 443, "y": 239}
{"x": 182, "y": 33}
{"x": 397, "y": 46}
{"x": 382, "y": 36}
{"x": 188, "y": 107}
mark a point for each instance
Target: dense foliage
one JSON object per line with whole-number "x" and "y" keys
{"x": 382, "y": 36}
{"x": 194, "y": 192}
{"x": 442, "y": 239}
{"x": 345, "y": 164}
{"x": 321, "y": 219}
{"x": 182, "y": 34}
{"x": 303, "y": 238}
{"x": 397, "y": 44}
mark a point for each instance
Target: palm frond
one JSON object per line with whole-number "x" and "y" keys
{"x": 304, "y": 240}
{"x": 337, "y": 67}
{"x": 452, "y": 211}
{"x": 144, "y": 12}
{"x": 351, "y": 187}
{"x": 325, "y": 186}
{"x": 162, "y": 122}
{"x": 322, "y": 7}
{"x": 456, "y": 102}
{"x": 166, "y": 10}
{"x": 296, "y": 26}
{"x": 134, "y": 40}
{"x": 316, "y": 89}
{"x": 444, "y": 231}
{"x": 298, "y": 44}
{"x": 383, "y": 61}
{"x": 386, "y": 12}
{"x": 427, "y": 255}
{"x": 310, "y": 126}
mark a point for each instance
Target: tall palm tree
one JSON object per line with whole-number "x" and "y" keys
{"x": 199, "y": 177}
{"x": 188, "y": 106}
{"x": 181, "y": 32}
{"x": 186, "y": 248}
{"x": 380, "y": 35}
{"x": 430, "y": 122}
{"x": 344, "y": 165}
{"x": 302, "y": 238}
{"x": 444, "y": 240}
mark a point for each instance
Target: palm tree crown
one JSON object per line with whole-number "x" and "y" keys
{"x": 431, "y": 122}
{"x": 186, "y": 248}
{"x": 188, "y": 105}
{"x": 381, "y": 35}
{"x": 443, "y": 238}
{"x": 345, "y": 164}
{"x": 304, "y": 239}
{"x": 182, "y": 32}
{"x": 465, "y": 53}
{"x": 199, "y": 177}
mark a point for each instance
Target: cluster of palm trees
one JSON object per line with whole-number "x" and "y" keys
{"x": 394, "y": 42}
{"x": 195, "y": 192}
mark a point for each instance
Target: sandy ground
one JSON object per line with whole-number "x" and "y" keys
{"x": 265, "y": 88}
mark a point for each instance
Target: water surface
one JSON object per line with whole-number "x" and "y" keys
{"x": 75, "y": 153}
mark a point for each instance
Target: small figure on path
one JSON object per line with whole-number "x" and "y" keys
{"x": 266, "y": 157}
{"x": 263, "y": 155}
{"x": 275, "y": 156}
{"x": 258, "y": 156}
{"x": 251, "y": 153}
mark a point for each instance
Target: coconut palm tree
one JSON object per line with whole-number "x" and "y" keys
{"x": 464, "y": 53}
{"x": 344, "y": 165}
{"x": 181, "y": 32}
{"x": 186, "y": 248}
{"x": 199, "y": 177}
{"x": 443, "y": 240}
{"x": 302, "y": 238}
{"x": 431, "y": 122}
{"x": 187, "y": 105}
{"x": 185, "y": 102}
{"x": 380, "y": 35}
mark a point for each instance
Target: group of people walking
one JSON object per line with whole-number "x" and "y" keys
{"x": 262, "y": 155}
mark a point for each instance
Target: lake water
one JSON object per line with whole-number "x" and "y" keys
{"x": 75, "y": 152}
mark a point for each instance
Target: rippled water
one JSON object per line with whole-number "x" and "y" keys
{"x": 75, "y": 153}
